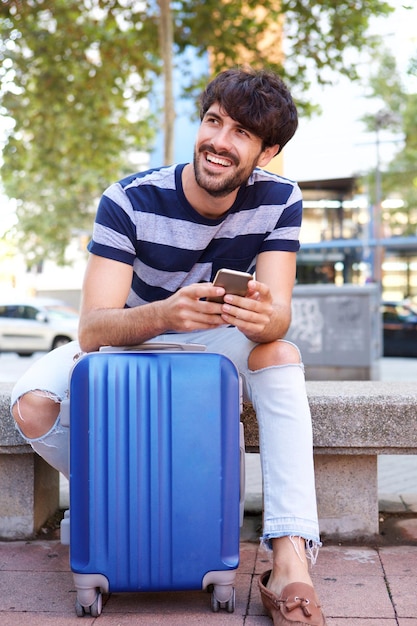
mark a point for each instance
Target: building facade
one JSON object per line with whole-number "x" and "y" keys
{"x": 341, "y": 243}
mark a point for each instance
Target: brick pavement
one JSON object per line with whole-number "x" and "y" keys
{"x": 358, "y": 586}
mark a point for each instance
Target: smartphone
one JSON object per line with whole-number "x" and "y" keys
{"x": 233, "y": 282}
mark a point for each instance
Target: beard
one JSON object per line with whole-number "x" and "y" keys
{"x": 220, "y": 184}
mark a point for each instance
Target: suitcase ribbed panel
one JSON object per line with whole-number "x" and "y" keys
{"x": 154, "y": 468}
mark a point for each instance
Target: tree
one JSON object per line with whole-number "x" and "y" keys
{"x": 74, "y": 80}
{"x": 166, "y": 44}
{"x": 398, "y": 113}
{"x": 74, "y": 76}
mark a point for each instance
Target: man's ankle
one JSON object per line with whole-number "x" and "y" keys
{"x": 290, "y": 563}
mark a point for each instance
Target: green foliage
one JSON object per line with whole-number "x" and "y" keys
{"x": 319, "y": 36}
{"x": 74, "y": 76}
{"x": 74, "y": 81}
{"x": 398, "y": 114}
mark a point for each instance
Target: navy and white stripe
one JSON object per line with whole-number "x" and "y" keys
{"x": 146, "y": 221}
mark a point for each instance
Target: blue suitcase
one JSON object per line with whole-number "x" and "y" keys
{"x": 155, "y": 475}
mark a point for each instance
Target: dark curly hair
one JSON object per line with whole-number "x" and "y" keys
{"x": 257, "y": 99}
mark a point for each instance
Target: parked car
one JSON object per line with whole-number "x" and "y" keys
{"x": 36, "y": 324}
{"x": 399, "y": 322}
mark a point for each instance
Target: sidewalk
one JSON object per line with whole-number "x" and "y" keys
{"x": 358, "y": 586}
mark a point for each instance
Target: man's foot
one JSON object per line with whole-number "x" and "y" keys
{"x": 296, "y": 605}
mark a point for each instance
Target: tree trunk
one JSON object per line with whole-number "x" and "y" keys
{"x": 166, "y": 47}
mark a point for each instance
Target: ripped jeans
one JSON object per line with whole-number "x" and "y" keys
{"x": 279, "y": 398}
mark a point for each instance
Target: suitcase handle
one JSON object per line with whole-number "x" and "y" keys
{"x": 157, "y": 346}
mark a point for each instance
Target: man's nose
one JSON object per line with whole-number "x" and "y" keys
{"x": 222, "y": 139}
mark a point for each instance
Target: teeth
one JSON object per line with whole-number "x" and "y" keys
{"x": 218, "y": 161}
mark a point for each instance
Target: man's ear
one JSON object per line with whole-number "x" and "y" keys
{"x": 267, "y": 155}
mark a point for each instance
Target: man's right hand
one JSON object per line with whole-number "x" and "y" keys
{"x": 188, "y": 308}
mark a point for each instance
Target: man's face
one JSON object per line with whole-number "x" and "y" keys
{"x": 225, "y": 153}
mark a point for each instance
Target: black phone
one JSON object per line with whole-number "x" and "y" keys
{"x": 232, "y": 281}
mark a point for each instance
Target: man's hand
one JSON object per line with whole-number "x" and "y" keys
{"x": 254, "y": 314}
{"x": 188, "y": 308}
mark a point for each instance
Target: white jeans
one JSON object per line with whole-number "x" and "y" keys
{"x": 279, "y": 398}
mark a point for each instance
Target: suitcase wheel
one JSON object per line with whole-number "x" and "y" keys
{"x": 228, "y": 598}
{"x": 94, "y": 609}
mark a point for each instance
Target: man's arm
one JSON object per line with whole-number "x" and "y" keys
{"x": 265, "y": 314}
{"x": 105, "y": 321}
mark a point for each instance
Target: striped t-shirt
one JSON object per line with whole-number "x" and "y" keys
{"x": 146, "y": 221}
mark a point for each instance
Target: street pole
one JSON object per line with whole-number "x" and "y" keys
{"x": 382, "y": 120}
{"x": 378, "y": 252}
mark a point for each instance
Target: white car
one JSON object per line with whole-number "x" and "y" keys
{"x": 36, "y": 324}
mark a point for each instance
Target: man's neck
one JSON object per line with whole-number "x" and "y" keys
{"x": 201, "y": 201}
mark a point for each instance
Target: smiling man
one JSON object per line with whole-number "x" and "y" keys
{"x": 159, "y": 238}
{"x": 221, "y": 143}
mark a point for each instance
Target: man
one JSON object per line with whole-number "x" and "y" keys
{"x": 159, "y": 238}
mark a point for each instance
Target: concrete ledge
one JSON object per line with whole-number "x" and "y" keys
{"x": 360, "y": 417}
{"x": 353, "y": 422}
{"x": 355, "y": 417}
{"x": 29, "y": 487}
{"x": 10, "y": 440}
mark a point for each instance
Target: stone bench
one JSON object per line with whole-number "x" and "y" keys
{"x": 353, "y": 422}
{"x": 29, "y": 487}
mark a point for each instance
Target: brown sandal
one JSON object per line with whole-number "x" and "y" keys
{"x": 297, "y": 605}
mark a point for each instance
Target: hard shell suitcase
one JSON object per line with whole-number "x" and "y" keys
{"x": 155, "y": 475}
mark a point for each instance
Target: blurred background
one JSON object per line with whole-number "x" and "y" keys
{"x": 93, "y": 90}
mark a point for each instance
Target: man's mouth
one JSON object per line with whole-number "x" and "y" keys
{"x": 218, "y": 160}
{"x": 224, "y": 159}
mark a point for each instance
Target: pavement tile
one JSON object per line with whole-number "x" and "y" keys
{"x": 403, "y": 593}
{"x": 354, "y": 596}
{"x": 399, "y": 560}
{"x": 45, "y": 591}
{"x": 248, "y": 553}
{"x": 404, "y": 621}
{"x": 163, "y": 618}
{"x": 263, "y": 560}
{"x": 352, "y": 621}
{"x": 43, "y": 619}
{"x": 263, "y": 563}
{"x": 255, "y": 603}
{"x": 170, "y": 603}
{"x": 341, "y": 560}
{"x": 185, "y": 602}
{"x": 36, "y": 556}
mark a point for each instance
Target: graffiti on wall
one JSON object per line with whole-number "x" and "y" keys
{"x": 307, "y": 323}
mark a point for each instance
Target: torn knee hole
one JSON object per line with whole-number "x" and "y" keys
{"x": 36, "y": 402}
